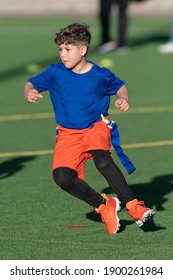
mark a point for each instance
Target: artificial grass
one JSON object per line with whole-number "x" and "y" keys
{"x": 34, "y": 212}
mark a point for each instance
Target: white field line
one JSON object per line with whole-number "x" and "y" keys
{"x": 126, "y": 146}
{"x": 27, "y": 153}
{"x": 112, "y": 111}
{"x": 26, "y": 117}
{"x": 161, "y": 109}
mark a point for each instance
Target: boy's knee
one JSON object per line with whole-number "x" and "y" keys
{"x": 63, "y": 176}
{"x": 103, "y": 165}
{"x": 102, "y": 159}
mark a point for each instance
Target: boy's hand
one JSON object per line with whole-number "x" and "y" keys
{"x": 32, "y": 95}
{"x": 122, "y": 104}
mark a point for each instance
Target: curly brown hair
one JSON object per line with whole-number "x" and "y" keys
{"x": 73, "y": 34}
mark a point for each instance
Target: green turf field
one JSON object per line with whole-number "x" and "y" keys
{"x": 34, "y": 212}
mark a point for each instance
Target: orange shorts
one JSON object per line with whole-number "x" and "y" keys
{"x": 73, "y": 146}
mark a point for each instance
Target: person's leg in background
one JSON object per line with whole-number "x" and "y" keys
{"x": 122, "y": 23}
{"x": 105, "y": 20}
{"x": 168, "y": 46}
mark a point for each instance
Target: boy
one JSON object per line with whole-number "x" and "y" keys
{"x": 80, "y": 93}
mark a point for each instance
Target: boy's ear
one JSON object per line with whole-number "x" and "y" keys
{"x": 83, "y": 50}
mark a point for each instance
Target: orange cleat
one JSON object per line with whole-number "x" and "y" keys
{"x": 140, "y": 213}
{"x": 108, "y": 213}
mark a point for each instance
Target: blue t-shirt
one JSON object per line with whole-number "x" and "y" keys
{"x": 78, "y": 99}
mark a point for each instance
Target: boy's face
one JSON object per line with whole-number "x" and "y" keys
{"x": 72, "y": 55}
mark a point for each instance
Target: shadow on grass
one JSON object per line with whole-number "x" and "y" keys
{"x": 19, "y": 70}
{"x": 149, "y": 38}
{"x": 96, "y": 218}
{"x": 137, "y": 42}
{"x": 44, "y": 63}
{"x": 10, "y": 167}
{"x": 153, "y": 193}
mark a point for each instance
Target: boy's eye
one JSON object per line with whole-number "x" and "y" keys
{"x": 66, "y": 49}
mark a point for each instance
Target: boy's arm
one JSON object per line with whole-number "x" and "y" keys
{"x": 30, "y": 93}
{"x": 122, "y": 103}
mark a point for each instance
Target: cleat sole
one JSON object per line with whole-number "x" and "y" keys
{"x": 147, "y": 215}
{"x": 118, "y": 208}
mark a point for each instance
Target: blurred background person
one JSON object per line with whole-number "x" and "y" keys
{"x": 168, "y": 46}
{"x": 107, "y": 44}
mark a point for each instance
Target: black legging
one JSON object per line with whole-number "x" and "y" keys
{"x": 68, "y": 180}
{"x": 104, "y": 14}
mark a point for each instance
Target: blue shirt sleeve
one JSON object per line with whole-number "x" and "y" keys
{"x": 113, "y": 82}
{"x": 42, "y": 82}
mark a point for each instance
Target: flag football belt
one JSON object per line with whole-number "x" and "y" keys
{"x": 115, "y": 139}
